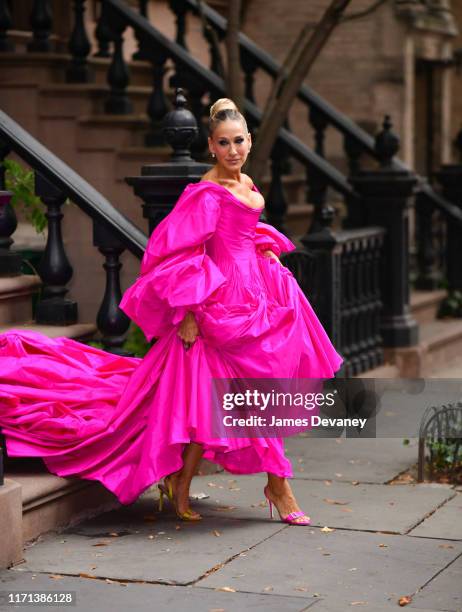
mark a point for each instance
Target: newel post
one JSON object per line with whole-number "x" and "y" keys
{"x": 386, "y": 194}
{"x": 160, "y": 185}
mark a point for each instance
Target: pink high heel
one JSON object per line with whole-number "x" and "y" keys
{"x": 290, "y": 517}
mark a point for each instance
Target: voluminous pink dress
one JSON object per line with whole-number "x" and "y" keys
{"x": 124, "y": 421}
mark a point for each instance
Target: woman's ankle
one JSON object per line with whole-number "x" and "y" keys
{"x": 278, "y": 485}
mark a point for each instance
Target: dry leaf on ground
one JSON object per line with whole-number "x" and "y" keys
{"x": 334, "y": 501}
{"x": 226, "y": 589}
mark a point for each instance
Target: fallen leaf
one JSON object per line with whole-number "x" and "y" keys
{"x": 403, "y": 601}
{"x": 211, "y": 484}
{"x": 114, "y": 534}
{"x": 199, "y": 495}
{"x": 217, "y": 610}
{"x": 216, "y": 533}
{"x": 333, "y": 501}
{"x": 100, "y": 544}
{"x": 55, "y": 576}
{"x": 224, "y": 508}
{"x": 346, "y": 510}
{"x": 328, "y": 483}
{"x": 358, "y": 603}
{"x": 445, "y": 546}
{"x": 355, "y": 482}
{"x": 227, "y": 589}
{"x": 301, "y": 589}
{"x": 84, "y": 575}
{"x": 327, "y": 529}
{"x": 109, "y": 581}
{"x": 383, "y": 545}
{"x": 326, "y": 554}
{"x": 338, "y": 475}
{"x": 352, "y": 569}
{"x": 93, "y": 567}
{"x": 234, "y": 488}
{"x": 268, "y": 588}
{"x": 151, "y": 537}
{"x": 177, "y": 527}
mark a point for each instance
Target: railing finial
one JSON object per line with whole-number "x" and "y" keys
{"x": 180, "y": 129}
{"x": 386, "y": 143}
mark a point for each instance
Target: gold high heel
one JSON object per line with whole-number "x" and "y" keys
{"x": 187, "y": 515}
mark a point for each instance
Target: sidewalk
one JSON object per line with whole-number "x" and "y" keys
{"x": 383, "y": 542}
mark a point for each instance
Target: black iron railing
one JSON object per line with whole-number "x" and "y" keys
{"x": 113, "y": 233}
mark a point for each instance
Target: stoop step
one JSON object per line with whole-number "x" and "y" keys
{"x": 35, "y": 502}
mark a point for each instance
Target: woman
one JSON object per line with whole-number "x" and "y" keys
{"x": 212, "y": 290}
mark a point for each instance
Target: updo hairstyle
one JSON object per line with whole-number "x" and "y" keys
{"x": 224, "y": 109}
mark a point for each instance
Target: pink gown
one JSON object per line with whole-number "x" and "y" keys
{"x": 124, "y": 421}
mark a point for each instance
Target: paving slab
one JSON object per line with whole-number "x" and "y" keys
{"x": 333, "y": 605}
{"x": 372, "y": 460}
{"x": 122, "y": 545}
{"x": 346, "y": 566}
{"x": 366, "y": 507}
{"x": 444, "y": 592}
{"x": 101, "y": 596}
{"x": 446, "y": 522}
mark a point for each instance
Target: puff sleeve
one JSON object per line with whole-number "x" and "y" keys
{"x": 176, "y": 274}
{"x": 269, "y": 238}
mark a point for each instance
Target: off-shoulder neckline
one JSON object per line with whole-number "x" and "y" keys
{"x": 260, "y": 208}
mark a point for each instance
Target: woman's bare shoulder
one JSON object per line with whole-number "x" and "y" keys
{"x": 248, "y": 181}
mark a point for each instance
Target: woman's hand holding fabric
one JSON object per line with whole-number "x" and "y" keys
{"x": 271, "y": 255}
{"x": 188, "y": 330}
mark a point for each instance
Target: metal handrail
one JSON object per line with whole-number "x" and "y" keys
{"x": 87, "y": 198}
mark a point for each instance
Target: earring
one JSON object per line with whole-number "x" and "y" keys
{"x": 213, "y": 154}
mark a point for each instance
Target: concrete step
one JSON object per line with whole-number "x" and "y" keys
{"x": 35, "y": 502}
{"x": 45, "y": 68}
{"x": 129, "y": 160}
{"x": 78, "y": 331}
{"x": 424, "y": 304}
{"x": 73, "y": 100}
{"x": 387, "y": 370}
{"x": 110, "y": 132}
{"x": 440, "y": 345}
{"x": 15, "y": 298}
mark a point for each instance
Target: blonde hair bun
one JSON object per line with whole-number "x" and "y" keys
{"x": 222, "y": 104}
